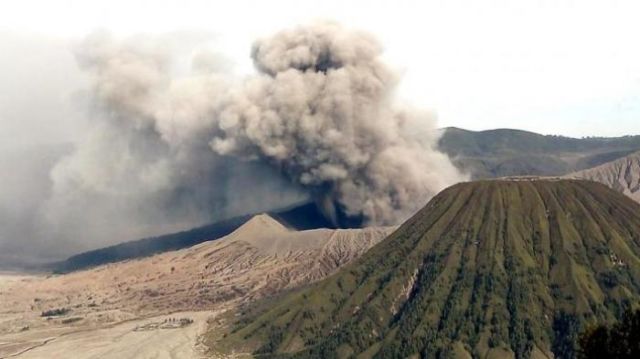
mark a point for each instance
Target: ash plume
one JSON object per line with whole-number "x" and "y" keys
{"x": 176, "y": 140}
{"x": 317, "y": 117}
{"x": 321, "y": 109}
{"x": 145, "y": 166}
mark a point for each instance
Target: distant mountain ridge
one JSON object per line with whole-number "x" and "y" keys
{"x": 488, "y": 269}
{"x": 508, "y": 152}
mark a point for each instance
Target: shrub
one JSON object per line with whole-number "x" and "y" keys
{"x": 55, "y": 312}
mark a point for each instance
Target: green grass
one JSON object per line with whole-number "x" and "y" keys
{"x": 500, "y": 268}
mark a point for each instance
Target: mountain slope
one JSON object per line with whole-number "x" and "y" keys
{"x": 493, "y": 269}
{"x": 300, "y": 217}
{"x": 623, "y": 175}
{"x": 260, "y": 258}
{"x": 506, "y": 152}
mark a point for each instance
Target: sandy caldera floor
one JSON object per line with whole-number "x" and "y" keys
{"x": 93, "y": 313}
{"x": 152, "y": 337}
{"x": 122, "y": 340}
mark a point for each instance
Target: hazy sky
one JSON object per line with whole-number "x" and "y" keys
{"x": 555, "y": 67}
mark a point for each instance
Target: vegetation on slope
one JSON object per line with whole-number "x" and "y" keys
{"x": 488, "y": 269}
{"x": 618, "y": 341}
{"x": 506, "y": 152}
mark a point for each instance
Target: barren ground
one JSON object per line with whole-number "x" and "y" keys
{"x": 98, "y": 309}
{"x": 120, "y": 340}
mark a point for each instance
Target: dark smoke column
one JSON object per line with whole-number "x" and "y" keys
{"x": 321, "y": 110}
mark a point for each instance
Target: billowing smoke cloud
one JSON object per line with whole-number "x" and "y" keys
{"x": 145, "y": 166}
{"x": 176, "y": 140}
{"x": 322, "y": 110}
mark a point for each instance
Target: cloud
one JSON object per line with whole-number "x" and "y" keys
{"x": 175, "y": 139}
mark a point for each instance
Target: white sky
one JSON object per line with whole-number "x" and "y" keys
{"x": 555, "y": 67}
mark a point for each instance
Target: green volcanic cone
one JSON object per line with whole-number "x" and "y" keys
{"x": 489, "y": 269}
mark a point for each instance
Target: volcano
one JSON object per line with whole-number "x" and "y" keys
{"x": 488, "y": 269}
{"x": 303, "y": 216}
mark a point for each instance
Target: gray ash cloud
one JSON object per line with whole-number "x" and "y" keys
{"x": 171, "y": 146}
